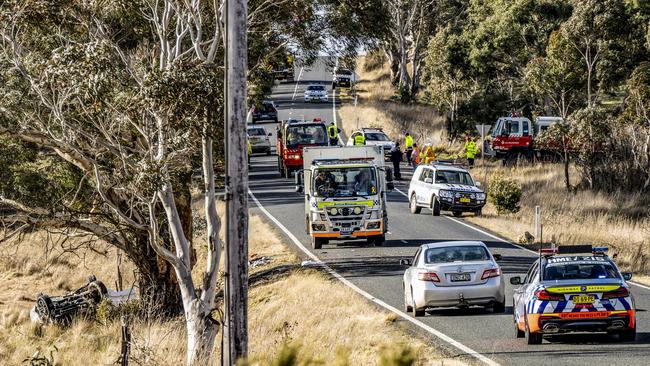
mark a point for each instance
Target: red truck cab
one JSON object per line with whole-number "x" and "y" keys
{"x": 513, "y": 137}
{"x": 292, "y": 137}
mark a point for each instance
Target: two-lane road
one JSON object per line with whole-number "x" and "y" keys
{"x": 376, "y": 270}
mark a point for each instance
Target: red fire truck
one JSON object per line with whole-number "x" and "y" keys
{"x": 293, "y": 135}
{"x": 514, "y": 138}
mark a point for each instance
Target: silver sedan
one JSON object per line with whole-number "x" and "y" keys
{"x": 453, "y": 274}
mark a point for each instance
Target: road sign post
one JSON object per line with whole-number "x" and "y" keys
{"x": 483, "y": 131}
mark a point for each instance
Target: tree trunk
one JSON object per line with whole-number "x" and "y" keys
{"x": 202, "y": 331}
{"x": 393, "y": 60}
{"x": 567, "y": 182}
{"x": 157, "y": 282}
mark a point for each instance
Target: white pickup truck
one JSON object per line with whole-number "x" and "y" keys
{"x": 345, "y": 194}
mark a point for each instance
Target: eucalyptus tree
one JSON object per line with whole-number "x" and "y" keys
{"x": 113, "y": 106}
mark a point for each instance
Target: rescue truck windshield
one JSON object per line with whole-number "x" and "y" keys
{"x": 345, "y": 182}
{"x": 583, "y": 270}
{"x": 454, "y": 177}
{"x": 306, "y": 135}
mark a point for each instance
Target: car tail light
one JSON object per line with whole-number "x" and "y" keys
{"x": 620, "y": 292}
{"x": 545, "y": 295}
{"x": 273, "y": 110}
{"x": 494, "y": 272}
{"x": 428, "y": 276}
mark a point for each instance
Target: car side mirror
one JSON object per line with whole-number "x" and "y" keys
{"x": 478, "y": 184}
{"x": 497, "y": 257}
{"x": 428, "y": 180}
{"x": 405, "y": 262}
{"x": 627, "y": 276}
{"x": 516, "y": 280}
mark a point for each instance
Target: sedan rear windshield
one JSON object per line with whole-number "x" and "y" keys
{"x": 256, "y": 132}
{"x": 376, "y": 136}
{"x": 465, "y": 253}
{"x": 579, "y": 271}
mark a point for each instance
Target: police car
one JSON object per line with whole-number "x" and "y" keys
{"x": 568, "y": 291}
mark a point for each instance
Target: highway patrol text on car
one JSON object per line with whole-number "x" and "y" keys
{"x": 573, "y": 293}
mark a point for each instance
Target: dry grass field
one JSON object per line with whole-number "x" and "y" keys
{"x": 620, "y": 221}
{"x": 304, "y": 310}
{"x": 376, "y": 108}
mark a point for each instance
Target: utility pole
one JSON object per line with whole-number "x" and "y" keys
{"x": 235, "y": 331}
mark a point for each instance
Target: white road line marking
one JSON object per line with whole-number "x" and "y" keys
{"x": 295, "y": 89}
{"x": 368, "y": 296}
{"x": 508, "y": 242}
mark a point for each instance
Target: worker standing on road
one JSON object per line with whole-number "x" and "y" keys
{"x": 470, "y": 150}
{"x": 359, "y": 139}
{"x": 396, "y": 158}
{"x": 415, "y": 156}
{"x": 333, "y": 134}
{"x": 408, "y": 145}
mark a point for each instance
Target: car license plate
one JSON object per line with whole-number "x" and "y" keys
{"x": 583, "y": 299}
{"x": 346, "y": 232}
{"x": 464, "y": 200}
{"x": 460, "y": 277}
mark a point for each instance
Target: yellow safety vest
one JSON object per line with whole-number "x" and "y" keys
{"x": 332, "y": 132}
{"x": 408, "y": 141}
{"x": 359, "y": 140}
{"x": 470, "y": 149}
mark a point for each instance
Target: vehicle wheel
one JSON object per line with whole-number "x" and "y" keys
{"x": 628, "y": 335}
{"x": 533, "y": 338}
{"x": 435, "y": 206}
{"x": 457, "y": 213}
{"x": 275, "y": 120}
{"x": 413, "y": 205}
{"x": 268, "y": 152}
{"x": 518, "y": 332}
{"x": 478, "y": 212}
{"x": 499, "y": 307}
{"x": 317, "y": 243}
{"x": 414, "y": 310}
{"x": 407, "y": 308}
{"x": 379, "y": 240}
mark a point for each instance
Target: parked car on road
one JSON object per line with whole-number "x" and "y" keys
{"x": 442, "y": 186}
{"x": 266, "y": 111}
{"x": 316, "y": 93}
{"x": 453, "y": 274}
{"x": 374, "y": 137}
{"x": 567, "y": 293}
{"x": 259, "y": 138}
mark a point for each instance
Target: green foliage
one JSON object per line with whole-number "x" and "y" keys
{"x": 375, "y": 60}
{"x": 504, "y": 194}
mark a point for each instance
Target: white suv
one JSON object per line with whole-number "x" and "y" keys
{"x": 445, "y": 187}
{"x": 374, "y": 137}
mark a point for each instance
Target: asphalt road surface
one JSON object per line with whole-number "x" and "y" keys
{"x": 474, "y": 334}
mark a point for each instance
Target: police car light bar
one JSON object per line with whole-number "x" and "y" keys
{"x": 575, "y": 249}
{"x": 599, "y": 250}
{"x": 547, "y": 251}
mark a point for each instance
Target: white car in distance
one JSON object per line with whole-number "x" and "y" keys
{"x": 316, "y": 93}
{"x": 453, "y": 274}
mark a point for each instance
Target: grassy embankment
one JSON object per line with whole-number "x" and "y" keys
{"x": 620, "y": 221}
{"x": 304, "y": 309}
